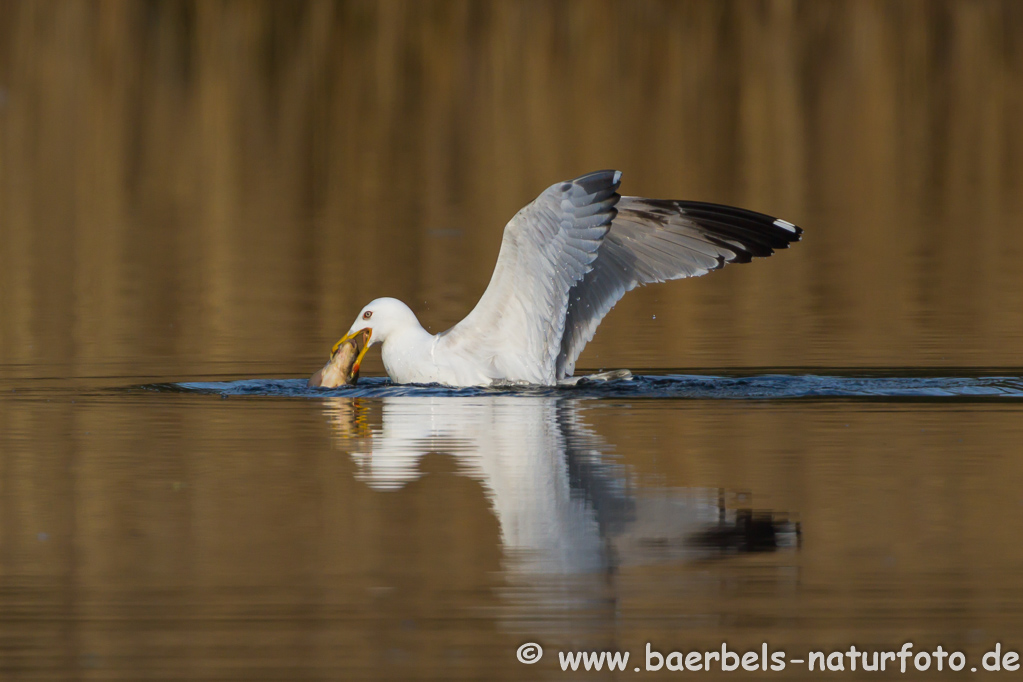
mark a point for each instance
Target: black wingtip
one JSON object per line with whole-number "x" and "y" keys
{"x": 746, "y": 234}
{"x": 797, "y": 232}
{"x": 777, "y": 233}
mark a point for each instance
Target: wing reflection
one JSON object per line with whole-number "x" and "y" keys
{"x": 563, "y": 503}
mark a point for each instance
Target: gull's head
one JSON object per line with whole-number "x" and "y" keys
{"x": 375, "y": 323}
{"x": 382, "y": 317}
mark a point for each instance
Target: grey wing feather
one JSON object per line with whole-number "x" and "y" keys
{"x": 548, "y": 247}
{"x": 654, "y": 240}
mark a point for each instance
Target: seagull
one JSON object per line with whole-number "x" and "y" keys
{"x": 565, "y": 260}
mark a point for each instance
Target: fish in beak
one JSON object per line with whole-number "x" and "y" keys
{"x": 343, "y": 367}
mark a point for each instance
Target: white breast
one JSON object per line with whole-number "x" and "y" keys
{"x": 417, "y": 357}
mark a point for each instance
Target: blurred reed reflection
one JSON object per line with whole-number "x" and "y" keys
{"x": 200, "y": 187}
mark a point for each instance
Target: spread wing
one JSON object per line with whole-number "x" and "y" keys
{"x": 654, "y": 240}
{"x": 516, "y": 329}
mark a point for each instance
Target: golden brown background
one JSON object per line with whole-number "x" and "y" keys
{"x": 213, "y": 189}
{"x": 190, "y": 186}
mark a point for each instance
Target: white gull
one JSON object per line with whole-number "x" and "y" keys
{"x": 565, "y": 260}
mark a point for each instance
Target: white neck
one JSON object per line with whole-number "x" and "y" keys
{"x": 407, "y": 354}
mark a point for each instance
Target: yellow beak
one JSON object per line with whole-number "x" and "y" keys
{"x": 362, "y": 350}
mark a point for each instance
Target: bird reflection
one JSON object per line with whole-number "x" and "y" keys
{"x": 563, "y": 503}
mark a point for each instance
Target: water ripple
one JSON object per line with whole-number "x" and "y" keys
{"x": 757, "y": 387}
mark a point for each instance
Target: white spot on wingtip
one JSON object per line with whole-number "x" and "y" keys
{"x": 785, "y": 225}
{"x": 617, "y": 177}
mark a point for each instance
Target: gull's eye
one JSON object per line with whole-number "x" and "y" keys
{"x": 368, "y": 314}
